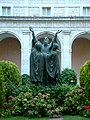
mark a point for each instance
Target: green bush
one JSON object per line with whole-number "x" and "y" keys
{"x": 26, "y": 85}
{"x": 10, "y": 76}
{"x": 58, "y": 93}
{"x": 68, "y": 76}
{"x": 86, "y": 113}
{"x": 22, "y": 88}
{"x": 2, "y": 92}
{"x": 25, "y": 79}
{"x": 85, "y": 77}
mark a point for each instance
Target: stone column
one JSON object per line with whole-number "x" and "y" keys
{"x": 25, "y": 55}
{"x": 66, "y": 50}
{"x": 62, "y": 59}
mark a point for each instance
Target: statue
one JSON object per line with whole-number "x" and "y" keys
{"x": 52, "y": 65}
{"x": 36, "y": 64}
{"x": 44, "y": 63}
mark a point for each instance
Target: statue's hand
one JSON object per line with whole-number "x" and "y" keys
{"x": 31, "y": 29}
{"x": 58, "y": 31}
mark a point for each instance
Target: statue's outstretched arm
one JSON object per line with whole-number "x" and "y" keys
{"x": 55, "y": 37}
{"x": 34, "y": 40}
{"x": 51, "y": 46}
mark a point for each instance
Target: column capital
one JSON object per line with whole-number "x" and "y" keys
{"x": 70, "y": 50}
{"x": 66, "y": 32}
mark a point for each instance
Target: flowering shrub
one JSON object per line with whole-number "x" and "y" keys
{"x": 10, "y": 79}
{"x": 34, "y": 106}
{"x": 37, "y": 101}
{"x": 74, "y": 101}
{"x": 7, "y": 107}
{"x": 56, "y": 92}
{"x": 86, "y": 109}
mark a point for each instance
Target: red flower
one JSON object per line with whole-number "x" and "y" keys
{"x": 86, "y": 107}
{"x": 4, "y": 100}
{"x": 9, "y": 107}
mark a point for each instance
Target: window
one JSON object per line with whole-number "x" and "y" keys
{"x": 6, "y": 11}
{"x": 86, "y": 11}
{"x": 46, "y": 11}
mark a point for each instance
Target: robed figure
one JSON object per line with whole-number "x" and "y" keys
{"x": 44, "y": 63}
{"x": 36, "y": 64}
{"x": 52, "y": 65}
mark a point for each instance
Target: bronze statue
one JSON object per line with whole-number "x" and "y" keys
{"x": 44, "y": 63}
{"x": 36, "y": 64}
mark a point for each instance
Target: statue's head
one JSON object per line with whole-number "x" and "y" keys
{"x": 38, "y": 46}
{"x": 55, "y": 46}
{"x": 46, "y": 40}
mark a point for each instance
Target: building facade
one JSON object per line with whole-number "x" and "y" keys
{"x": 46, "y": 17}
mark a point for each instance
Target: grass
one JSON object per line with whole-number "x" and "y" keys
{"x": 65, "y": 118}
{"x": 24, "y": 118}
{"x": 75, "y": 118}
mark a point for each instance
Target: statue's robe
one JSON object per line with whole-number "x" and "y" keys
{"x": 36, "y": 66}
{"x": 52, "y": 67}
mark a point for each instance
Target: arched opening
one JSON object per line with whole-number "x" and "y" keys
{"x": 80, "y": 53}
{"x": 10, "y": 49}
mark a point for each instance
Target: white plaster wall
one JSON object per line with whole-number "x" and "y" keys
{"x": 34, "y": 7}
{"x": 65, "y": 16}
{"x": 20, "y": 30}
